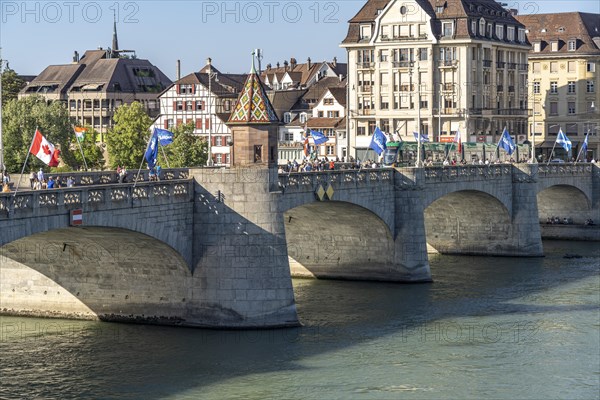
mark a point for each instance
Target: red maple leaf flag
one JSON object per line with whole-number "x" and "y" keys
{"x": 44, "y": 150}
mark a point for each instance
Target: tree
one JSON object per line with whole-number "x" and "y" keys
{"x": 187, "y": 149}
{"x": 19, "y": 121}
{"x": 11, "y": 85}
{"x": 128, "y": 140}
{"x": 93, "y": 153}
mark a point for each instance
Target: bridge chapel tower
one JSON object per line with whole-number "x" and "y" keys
{"x": 254, "y": 125}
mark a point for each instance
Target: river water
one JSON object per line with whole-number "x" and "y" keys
{"x": 487, "y": 328}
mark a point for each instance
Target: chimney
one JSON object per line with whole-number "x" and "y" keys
{"x": 75, "y": 57}
{"x": 268, "y": 67}
{"x": 178, "y": 70}
{"x": 293, "y": 63}
{"x": 277, "y": 64}
{"x": 309, "y": 62}
{"x": 209, "y": 61}
{"x": 334, "y": 62}
{"x": 285, "y": 64}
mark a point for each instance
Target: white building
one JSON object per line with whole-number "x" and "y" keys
{"x": 456, "y": 65}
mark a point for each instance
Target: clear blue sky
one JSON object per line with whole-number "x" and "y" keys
{"x": 36, "y": 34}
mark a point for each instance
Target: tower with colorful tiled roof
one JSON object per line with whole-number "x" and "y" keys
{"x": 254, "y": 125}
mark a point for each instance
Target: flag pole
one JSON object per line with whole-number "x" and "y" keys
{"x": 80, "y": 149}
{"x": 142, "y": 163}
{"x": 165, "y": 156}
{"x": 22, "y": 171}
{"x": 552, "y": 152}
{"x": 581, "y": 149}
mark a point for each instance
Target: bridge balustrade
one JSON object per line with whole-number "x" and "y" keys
{"x": 96, "y": 197}
{"x": 468, "y": 172}
{"x": 570, "y": 169}
{"x": 343, "y": 177}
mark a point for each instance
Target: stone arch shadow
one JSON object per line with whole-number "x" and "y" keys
{"x": 564, "y": 201}
{"x": 339, "y": 240}
{"x": 110, "y": 274}
{"x": 468, "y": 222}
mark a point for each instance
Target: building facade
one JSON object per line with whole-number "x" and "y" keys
{"x": 206, "y": 100}
{"x": 564, "y": 80}
{"x": 438, "y": 68}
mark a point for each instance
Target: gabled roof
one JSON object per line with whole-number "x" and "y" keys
{"x": 562, "y": 27}
{"x": 253, "y": 107}
{"x": 59, "y": 76}
{"x": 339, "y": 94}
{"x": 323, "y": 123}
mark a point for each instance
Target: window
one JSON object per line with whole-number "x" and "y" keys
{"x": 482, "y": 27}
{"x": 287, "y": 118}
{"x": 365, "y": 32}
{"x": 474, "y": 27}
{"x": 571, "y": 87}
{"x": 510, "y": 33}
{"x": 591, "y": 67}
{"x": 189, "y": 105}
{"x": 572, "y": 45}
{"x": 179, "y": 106}
{"x": 330, "y": 150}
{"x": 219, "y": 159}
{"x": 553, "y": 67}
{"x": 219, "y": 141}
{"x": 571, "y": 66}
{"x": 554, "y": 45}
{"x": 383, "y": 55}
{"x": 536, "y": 87}
{"x": 333, "y": 114}
{"x": 537, "y": 47}
{"x": 500, "y": 31}
{"x": 571, "y": 107}
{"x": 522, "y": 35}
{"x": 439, "y": 9}
{"x": 553, "y": 108}
{"x": 590, "y": 86}
{"x": 360, "y": 131}
{"x": 320, "y": 114}
{"x": 185, "y": 89}
{"x": 537, "y": 67}
{"x": 554, "y": 87}
{"x": 447, "y": 29}
{"x": 422, "y": 52}
{"x": 385, "y": 103}
{"x": 199, "y": 105}
{"x": 303, "y": 118}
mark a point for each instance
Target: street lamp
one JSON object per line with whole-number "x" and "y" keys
{"x": 211, "y": 75}
{"x": 419, "y": 163}
{"x": 1, "y": 141}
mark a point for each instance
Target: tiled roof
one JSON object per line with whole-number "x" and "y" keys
{"x": 339, "y": 94}
{"x": 253, "y": 106}
{"x": 562, "y": 27}
{"x": 62, "y": 76}
{"x": 323, "y": 123}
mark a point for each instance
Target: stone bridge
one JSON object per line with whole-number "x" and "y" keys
{"x": 217, "y": 247}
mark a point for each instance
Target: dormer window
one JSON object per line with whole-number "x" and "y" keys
{"x": 554, "y": 45}
{"x": 572, "y": 45}
{"x": 500, "y": 31}
{"x": 439, "y": 9}
{"x": 365, "y": 32}
{"x": 561, "y": 29}
{"x": 287, "y": 117}
{"x": 510, "y": 33}
{"x": 447, "y": 29}
{"x": 522, "y": 35}
{"x": 482, "y": 27}
{"x": 537, "y": 47}
{"x": 303, "y": 118}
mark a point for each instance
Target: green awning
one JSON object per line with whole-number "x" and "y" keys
{"x": 408, "y": 146}
{"x": 471, "y": 145}
{"x": 436, "y": 146}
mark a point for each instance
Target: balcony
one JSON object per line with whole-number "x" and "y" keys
{"x": 402, "y": 64}
{"x": 447, "y": 87}
{"x": 511, "y": 89}
{"x": 366, "y": 111}
{"x": 406, "y": 88}
{"x": 387, "y": 38}
{"x": 512, "y": 65}
{"x": 523, "y": 67}
{"x": 515, "y": 112}
{"x": 487, "y": 63}
{"x": 448, "y": 63}
{"x": 500, "y": 88}
{"x": 365, "y": 65}
{"x": 449, "y": 110}
{"x": 500, "y": 64}
{"x": 365, "y": 89}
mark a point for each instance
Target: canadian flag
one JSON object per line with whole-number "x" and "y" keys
{"x": 44, "y": 150}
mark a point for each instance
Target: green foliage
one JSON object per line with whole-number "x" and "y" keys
{"x": 187, "y": 149}
{"x": 20, "y": 119}
{"x": 92, "y": 151}
{"x": 11, "y": 85}
{"x": 128, "y": 139}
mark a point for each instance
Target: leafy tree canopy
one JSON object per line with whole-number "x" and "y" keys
{"x": 11, "y": 85}
{"x": 187, "y": 149}
{"x": 128, "y": 139}
{"x": 20, "y": 119}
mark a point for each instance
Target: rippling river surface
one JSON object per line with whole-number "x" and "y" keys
{"x": 487, "y": 328}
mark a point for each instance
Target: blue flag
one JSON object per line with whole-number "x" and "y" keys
{"x": 165, "y": 137}
{"x": 424, "y": 138}
{"x": 563, "y": 141}
{"x": 152, "y": 151}
{"x": 378, "y": 141}
{"x": 319, "y": 137}
{"x": 584, "y": 146}
{"x": 506, "y": 142}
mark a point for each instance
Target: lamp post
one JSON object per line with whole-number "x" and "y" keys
{"x": 1, "y": 140}
{"x": 533, "y": 159}
{"x": 211, "y": 75}
{"x": 417, "y": 89}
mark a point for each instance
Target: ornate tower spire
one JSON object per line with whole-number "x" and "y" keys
{"x": 115, "y": 40}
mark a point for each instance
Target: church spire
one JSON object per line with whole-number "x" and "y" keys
{"x": 115, "y": 40}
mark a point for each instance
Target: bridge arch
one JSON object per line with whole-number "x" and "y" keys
{"x": 564, "y": 201}
{"x": 468, "y": 222}
{"x": 95, "y": 273}
{"x": 338, "y": 240}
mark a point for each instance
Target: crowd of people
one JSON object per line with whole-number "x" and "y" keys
{"x": 559, "y": 221}
{"x": 37, "y": 181}
{"x": 324, "y": 164}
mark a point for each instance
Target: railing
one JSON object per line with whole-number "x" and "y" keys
{"x": 402, "y": 64}
{"x": 513, "y": 111}
{"x": 366, "y": 112}
{"x": 448, "y": 63}
{"x": 487, "y": 63}
{"x": 475, "y": 172}
{"x": 500, "y": 64}
{"x": 365, "y": 89}
{"x": 500, "y": 88}
{"x": 512, "y": 65}
{"x": 50, "y": 201}
{"x": 523, "y": 67}
{"x": 568, "y": 169}
{"x": 312, "y": 180}
{"x": 511, "y": 89}
{"x": 366, "y": 65}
